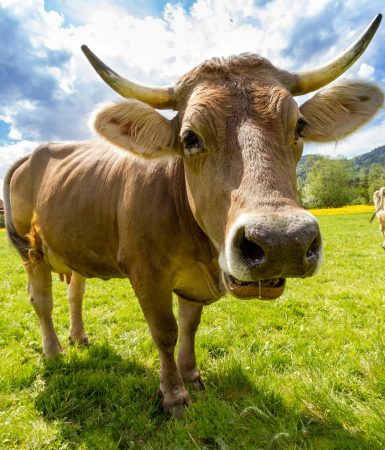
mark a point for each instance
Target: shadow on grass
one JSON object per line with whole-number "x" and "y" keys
{"x": 96, "y": 396}
{"x": 103, "y": 401}
{"x": 261, "y": 418}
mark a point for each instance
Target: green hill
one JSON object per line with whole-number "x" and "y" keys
{"x": 361, "y": 162}
{"x": 376, "y": 156}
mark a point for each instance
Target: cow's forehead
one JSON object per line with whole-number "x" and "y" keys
{"x": 231, "y": 71}
{"x": 246, "y": 86}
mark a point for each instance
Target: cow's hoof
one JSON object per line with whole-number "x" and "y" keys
{"x": 52, "y": 350}
{"x": 177, "y": 412}
{"x": 82, "y": 341}
{"x": 197, "y": 384}
{"x": 176, "y": 404}
{"x": 193, "y": 378}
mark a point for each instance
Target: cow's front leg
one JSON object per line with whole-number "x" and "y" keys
{"x": 75, "y": 294}
{"x": 164, "y": 331}
{"x": 189, "y": 319}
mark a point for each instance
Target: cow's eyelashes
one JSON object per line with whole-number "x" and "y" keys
{"x": 301, "y": 124}
{"x": 191, "y": 143}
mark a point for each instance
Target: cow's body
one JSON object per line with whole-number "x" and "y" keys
{"x": 379, "y": 204}
{"x": 144, "y": 220}
{"x": 215, "y": 210}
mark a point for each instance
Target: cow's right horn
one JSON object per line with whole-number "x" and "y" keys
{"x": 309, "y": 81}
{"x": 159, "y": 98}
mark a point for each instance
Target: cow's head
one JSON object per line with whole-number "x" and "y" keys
{"x": 241, "y": 134}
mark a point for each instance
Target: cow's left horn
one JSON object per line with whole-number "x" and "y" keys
{"x": 309, "y": 81}
{"x": 160, "y": 98}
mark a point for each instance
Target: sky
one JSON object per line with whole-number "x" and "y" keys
{"x": 48, "y": 90}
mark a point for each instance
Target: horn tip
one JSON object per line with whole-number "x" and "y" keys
{"x": 377, "y": 20}
{"x": 84, "y": 48}
{"x": 374, "y": 25}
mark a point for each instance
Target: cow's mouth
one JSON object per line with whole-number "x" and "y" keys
{"x": 264, "y": 289}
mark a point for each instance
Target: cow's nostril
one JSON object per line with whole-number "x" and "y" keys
{"x": 313, "y": 252}
{"x": 252, "y": 253}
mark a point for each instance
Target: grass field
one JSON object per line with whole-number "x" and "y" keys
{"x": 304, "y": 372}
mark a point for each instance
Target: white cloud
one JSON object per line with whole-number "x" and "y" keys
{"x": 365, "y": 71}
{"x": 357, "y": 143}
{"x": 14, "y": 134}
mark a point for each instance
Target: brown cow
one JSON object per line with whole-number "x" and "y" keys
{"x": 199, "y": 205}
{"x": 379, "y": 203}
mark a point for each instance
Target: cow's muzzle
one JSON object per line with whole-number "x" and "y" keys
{"x": 263, "y": 250}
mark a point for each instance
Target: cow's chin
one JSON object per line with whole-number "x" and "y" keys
{"x": 264, "y": 289}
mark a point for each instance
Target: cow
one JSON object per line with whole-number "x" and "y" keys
{"x": 199, "y": 205}
{"x": 379, "y": 204}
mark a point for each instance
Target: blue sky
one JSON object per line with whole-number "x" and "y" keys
{"x": 48, "y": 90}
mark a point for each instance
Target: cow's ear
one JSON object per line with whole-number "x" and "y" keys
{"x": 338, "y": 110}
{"x": 138, "y": 128}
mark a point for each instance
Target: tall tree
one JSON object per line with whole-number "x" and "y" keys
{"x": 329, "y": 184}
{"x": 376, "y": 179}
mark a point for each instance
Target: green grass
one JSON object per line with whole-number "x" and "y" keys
{"x": 304, "y": 372}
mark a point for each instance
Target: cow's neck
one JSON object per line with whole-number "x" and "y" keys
{"x": 185, "y": 215}
{"x": 200, "y": 256}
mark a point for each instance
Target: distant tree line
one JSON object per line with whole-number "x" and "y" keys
{"x": 2, "y": 224}
{"x": 329, "y": 183}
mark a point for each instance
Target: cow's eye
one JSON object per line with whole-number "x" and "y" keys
{"x": 301, "y": 124}
{"x": 191, "y": 143}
